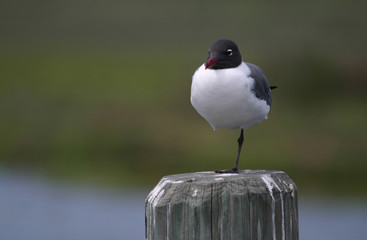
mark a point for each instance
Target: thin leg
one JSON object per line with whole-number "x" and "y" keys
{"x": 235, "y": 168}
{"x": 240, "y": 142}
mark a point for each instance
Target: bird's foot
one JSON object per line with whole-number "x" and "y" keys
{"x": 233, "y": 170}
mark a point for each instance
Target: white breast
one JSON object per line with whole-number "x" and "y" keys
{"x": 224, "y": 97}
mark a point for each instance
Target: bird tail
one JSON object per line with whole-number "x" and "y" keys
{"x": 273, "y": 87}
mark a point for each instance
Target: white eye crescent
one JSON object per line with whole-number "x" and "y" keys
{"x": 229, "y": 52}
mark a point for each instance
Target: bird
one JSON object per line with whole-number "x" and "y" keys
{"x": 230, "y": 93}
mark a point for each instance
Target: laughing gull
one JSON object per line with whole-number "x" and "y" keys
{"x": 230, "y": 93}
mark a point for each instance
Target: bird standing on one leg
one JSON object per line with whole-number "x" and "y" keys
{"x": 230, "y": 93}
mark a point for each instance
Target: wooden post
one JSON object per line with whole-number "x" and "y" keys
{"x": 254, "y": 204}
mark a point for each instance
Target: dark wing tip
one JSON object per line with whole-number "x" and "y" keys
{"x": 273, "y": 87}
{"x": 261, "y": 86}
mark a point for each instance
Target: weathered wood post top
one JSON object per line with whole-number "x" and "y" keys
{"x": 251, "y": 204}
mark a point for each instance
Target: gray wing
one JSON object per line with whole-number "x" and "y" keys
{"x": 261, "y": 87}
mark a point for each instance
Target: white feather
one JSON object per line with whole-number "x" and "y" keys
{"x": 224, "y": 97}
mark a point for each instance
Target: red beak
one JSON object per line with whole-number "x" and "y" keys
{"x": 211, "y": 61}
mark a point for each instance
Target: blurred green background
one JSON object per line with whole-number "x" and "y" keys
{"x": 98, "y": 91}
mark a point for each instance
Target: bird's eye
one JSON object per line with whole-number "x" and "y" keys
{"x": 229, "y": 52}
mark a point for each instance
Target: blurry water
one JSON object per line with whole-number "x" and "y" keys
{"x": 333, "y": 220}
{"x": 34, "y": 209}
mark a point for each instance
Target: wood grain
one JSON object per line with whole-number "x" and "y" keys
{"x": 253, "y": 204}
